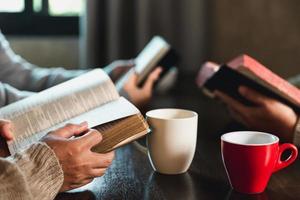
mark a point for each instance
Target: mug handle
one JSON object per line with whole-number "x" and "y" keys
{"x": 284, "y": 163}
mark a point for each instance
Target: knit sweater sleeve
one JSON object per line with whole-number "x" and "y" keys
{"x": 32, "y": 174}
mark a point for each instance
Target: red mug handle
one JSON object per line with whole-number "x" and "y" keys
{"x": 284, "y": 163}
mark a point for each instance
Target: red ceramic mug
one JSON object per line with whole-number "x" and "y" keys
{"x": 250, "y": 158}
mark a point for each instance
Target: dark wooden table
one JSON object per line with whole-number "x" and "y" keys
{"x": 131, "y": 175}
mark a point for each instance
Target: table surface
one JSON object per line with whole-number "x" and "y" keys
{"x": 131, "y": 175}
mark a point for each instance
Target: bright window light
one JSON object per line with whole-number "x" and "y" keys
{"x": 37, "y": 5}
{"x": 11, "y": 5}
{"x": 66, "y": 7}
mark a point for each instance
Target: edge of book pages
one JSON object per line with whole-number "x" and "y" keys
{"x": 120, "y": 132}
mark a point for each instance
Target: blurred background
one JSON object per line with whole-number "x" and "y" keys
{"x": 90, "y": 33}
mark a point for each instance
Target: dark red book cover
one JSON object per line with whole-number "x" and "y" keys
{"x": 256, "y": 71}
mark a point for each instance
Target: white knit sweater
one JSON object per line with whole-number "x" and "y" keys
{"x": 34, "y": 174}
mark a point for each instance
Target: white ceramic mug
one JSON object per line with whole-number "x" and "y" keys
{"x": 172, "y": 141}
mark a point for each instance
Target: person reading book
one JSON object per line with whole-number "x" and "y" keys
{"x": 46, "y": 167}
{"x": 97, "y": 102}
{"x": 266, "y": 114}
{"x": 17, "y": 77}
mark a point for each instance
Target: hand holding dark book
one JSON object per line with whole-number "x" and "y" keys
{"x": 246, "y": 71}
{"x": 267, "y": 103}
{"x": 268, "y": 115}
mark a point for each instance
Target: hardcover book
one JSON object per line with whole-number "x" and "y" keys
{"x": 157, "y": 52}
{"x": 246, "y": 71}
{"x": 91, "y": 97}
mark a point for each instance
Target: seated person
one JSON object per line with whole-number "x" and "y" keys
{"x": 268, "y": 115}
{"x": 46, "y": 168}
{"x": 54, "y": 170}
{"x": 16, "y": 73}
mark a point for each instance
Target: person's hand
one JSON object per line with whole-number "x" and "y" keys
{"x": 141, "y": 96}
{"x": 267, "y": 115}
{"x": 118, "y": 68}
{"x": 79, "y": 164}
{"x": 5, "y": 129}
{"x": 5, "y": 135}
{"x": 207, "y": 70}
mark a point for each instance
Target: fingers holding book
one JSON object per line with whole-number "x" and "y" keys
{"x": 254, "y": 96}
{"x": 5, "y": 130}
{"x": 152, "y": 78}
{"x": 141, "y": 95}
{"x": 79, "y": 164}
{"x": 231, "y": 102}
{"x": 267, "y": 115}
{"x": 5, "y": 135}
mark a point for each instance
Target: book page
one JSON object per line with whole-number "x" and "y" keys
{"x": 59, "y": 103}
{"x": 113, "y": 110}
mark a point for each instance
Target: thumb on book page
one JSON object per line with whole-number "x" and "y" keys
{"x": 70, "y": 130}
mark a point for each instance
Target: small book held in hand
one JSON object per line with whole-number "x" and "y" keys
{"x": 158, "y": 52}
{"x": 91, "y": 97}
{"x": 246, "y": 71}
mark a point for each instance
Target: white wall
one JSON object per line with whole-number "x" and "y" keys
{"x": 47, "y": 51}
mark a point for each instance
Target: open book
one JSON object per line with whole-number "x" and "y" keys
{"x": 156, "y": 52}
{"x": 246, "y": 71}
{"x": 91, "y": 97}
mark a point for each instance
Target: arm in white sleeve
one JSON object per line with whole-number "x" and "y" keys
{"x": 20, "y": 74}
{"x": 8, "y": 94}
